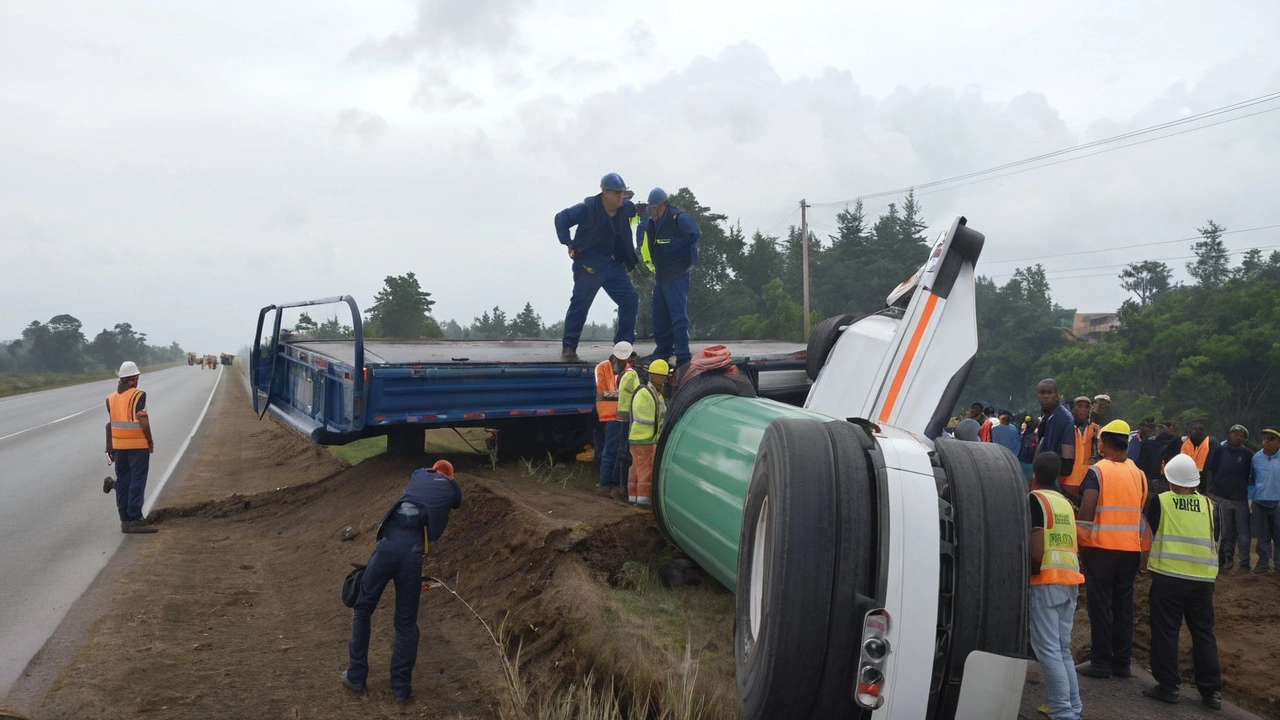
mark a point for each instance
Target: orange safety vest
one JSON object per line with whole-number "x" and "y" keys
{"x": 1199, "y": 454}
{"x": 1117, "y": 521}
{"x": 126, "y": 431}
{"x": 606, "y": 382}
{"x": 1084, "y": 447}
{"x": 1060, "y": 564}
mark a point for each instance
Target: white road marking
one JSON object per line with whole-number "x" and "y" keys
{"x": 51, "y": 422}
{"x": 146, "y": 508}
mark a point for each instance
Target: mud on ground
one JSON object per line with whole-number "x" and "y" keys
{"x": 233, "y": 608}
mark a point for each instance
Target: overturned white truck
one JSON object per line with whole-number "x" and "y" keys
{"x": 880, "y": 567}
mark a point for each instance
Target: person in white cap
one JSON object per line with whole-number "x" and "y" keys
{"x": 607, "y": 373}
{"x": 1184, "y": 566}
{"x": 129, "y": 446}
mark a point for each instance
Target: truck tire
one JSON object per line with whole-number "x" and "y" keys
{"x": 702, "y": 386}
{"x": 988, "y": 495}
{"x": 786, "y": 560}
{"x": 856, "y": 570}
{"x": 821, "y": 341}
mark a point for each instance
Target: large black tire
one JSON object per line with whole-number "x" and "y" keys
{"x": 786, "y": 562}
{"x": 856, "y": 570}
{"x": 700, "y": 387}
{"x": 988, "y": 495}
{"x": 821, "y": 341}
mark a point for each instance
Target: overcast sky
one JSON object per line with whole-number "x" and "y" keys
{"x": 177, "y": 165}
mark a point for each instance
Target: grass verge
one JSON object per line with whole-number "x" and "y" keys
{"x": 12, "y": 383}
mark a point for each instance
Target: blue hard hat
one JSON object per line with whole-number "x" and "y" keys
{"x": 613, "y": 181}
{"x": 657, "y": 196}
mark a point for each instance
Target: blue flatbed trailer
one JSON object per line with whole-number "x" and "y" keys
{"x": 339, "y": 391}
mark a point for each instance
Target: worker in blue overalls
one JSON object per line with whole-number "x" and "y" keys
{"x": 668, "y": 245}
{"x": 425, "y": 503}
{"x": 602, "y": 255}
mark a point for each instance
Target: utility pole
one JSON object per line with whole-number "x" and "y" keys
{"x": 804, "y": 261}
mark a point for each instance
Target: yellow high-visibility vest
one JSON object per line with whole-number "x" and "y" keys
{"x": 1060, "y": 564}
{"x": 1183, "y": 545}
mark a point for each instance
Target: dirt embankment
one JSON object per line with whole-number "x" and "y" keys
{"x": 233, "y": 608}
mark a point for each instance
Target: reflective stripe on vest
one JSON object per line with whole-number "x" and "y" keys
{"x": 126, "y": 431}
{"x": 646, "y": 416}
{"x": 1060, "y": 564}
{"x": 606, "y": 382}
{"x": 1084, "y": 447}
{"x": 1183, "y": 545}
{"x": 1117, "y": 521}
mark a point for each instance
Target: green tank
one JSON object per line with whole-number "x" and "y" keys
{"x": 704, "y": 473}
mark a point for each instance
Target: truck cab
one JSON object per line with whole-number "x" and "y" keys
{"x": 879, "y": 567}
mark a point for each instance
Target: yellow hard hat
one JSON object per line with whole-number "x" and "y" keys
{"x": 1119, "y": 427}
{"x": 659, "y": 367}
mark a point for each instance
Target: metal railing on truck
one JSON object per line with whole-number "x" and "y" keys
{"x": 269, "y": 387}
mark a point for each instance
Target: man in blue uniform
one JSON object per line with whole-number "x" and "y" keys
{"x": 602, "y": 255}
{"x": 425, "y": 503}
{"x": 668, "y": 245}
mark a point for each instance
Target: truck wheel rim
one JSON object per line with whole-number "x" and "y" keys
{"x": 758, "y": 568}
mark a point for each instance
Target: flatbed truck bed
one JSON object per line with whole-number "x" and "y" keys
{"x": 338, "y": 391}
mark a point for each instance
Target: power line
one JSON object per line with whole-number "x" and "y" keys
{"x": 778, "y": 224}
{"x": 1128, "y": 247}
{"x": 1076, "y": 149}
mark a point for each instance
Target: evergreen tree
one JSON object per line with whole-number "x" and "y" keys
{"x": 402, "y": 309}
{"x": 527, "y": 324}
{"x": 1210, "y": 268}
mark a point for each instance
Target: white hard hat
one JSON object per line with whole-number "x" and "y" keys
{"x": 128, "y": 368}
{"x": 1181, "y": 471}
{"x": 622, "y": 350}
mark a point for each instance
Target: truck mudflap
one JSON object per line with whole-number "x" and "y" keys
{"x": 992, "y": 687}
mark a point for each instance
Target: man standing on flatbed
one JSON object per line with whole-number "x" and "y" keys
{"x": 602, "y": 255}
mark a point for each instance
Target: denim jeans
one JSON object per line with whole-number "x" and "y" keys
{"x": 609, "y": 453}
{"x": 1235, "y": 532}
{"x": 389, "y": 563}
{"x": 1053, "y": 609}
{"x": 1266, "y": 528}
{"x": 131, "y": 482}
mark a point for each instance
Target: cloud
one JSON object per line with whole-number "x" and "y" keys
{"x": 367, "y": 126}
{"x": 444, "y": 26}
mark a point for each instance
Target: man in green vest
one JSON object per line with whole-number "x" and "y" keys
{"x": 1184, "y": 566}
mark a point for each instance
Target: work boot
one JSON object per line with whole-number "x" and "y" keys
{"x": 1121, "y": 671}
{"x": 1088, "y": 669}
{"x": 350, "y": 685}
{"x": 570, "y": 355}
{"x": 402, "y": 698}
{"x": 136, "y": 527}
{"x": 108, "y": 482}
{"x": 1163, "y": 694}
{"x": 1212, "y": 699}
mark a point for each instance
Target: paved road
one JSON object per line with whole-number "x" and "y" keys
{"x": 57, "y": 529}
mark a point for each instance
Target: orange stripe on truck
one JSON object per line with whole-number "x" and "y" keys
{"x": 901, "y": 374}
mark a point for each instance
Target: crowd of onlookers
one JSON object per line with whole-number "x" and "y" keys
{"x": 1232, "y": 473}
{"x": 1107, "y": 501}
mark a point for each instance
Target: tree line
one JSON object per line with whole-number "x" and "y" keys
{"x": 1204, "y": 349}
{"x": 60, "y": 346}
